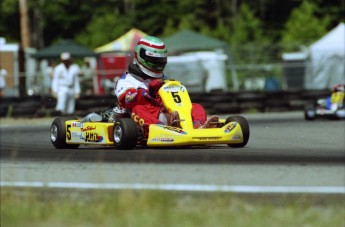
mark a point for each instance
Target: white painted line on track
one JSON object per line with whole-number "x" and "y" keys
{"x": 181, "y": 187}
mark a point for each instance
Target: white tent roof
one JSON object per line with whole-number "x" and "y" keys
{"x": 334, "y": 42}
{"x": 327, "y": 60}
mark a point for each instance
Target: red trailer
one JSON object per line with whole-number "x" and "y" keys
{"x": 110, "y": 66}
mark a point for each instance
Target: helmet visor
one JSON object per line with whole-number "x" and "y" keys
{"x": 155, "y": 62}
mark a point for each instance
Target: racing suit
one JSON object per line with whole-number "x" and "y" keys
{"x": 133, "y": 93}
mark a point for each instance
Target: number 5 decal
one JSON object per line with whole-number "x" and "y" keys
{"x": 68, "y": 132}
{"x": 176, "y": 97}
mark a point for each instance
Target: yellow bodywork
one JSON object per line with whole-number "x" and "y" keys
{"x": 338, "y": 97}
{"x": 176, "y": 98}
{"x": 97, "y": 133}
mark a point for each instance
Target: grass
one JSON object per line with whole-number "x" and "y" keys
{"x": 54, "y": 208}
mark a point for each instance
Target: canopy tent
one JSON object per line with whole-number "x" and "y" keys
{"x": 124, "y": 43}
{"x": 190, "y": 41}
{"x": 327, "y": 60}
{"x": 187, "y": 40}
{"x": 66, "y": 45}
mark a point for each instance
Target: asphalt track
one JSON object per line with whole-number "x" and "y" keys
{"x": 284, "y": 150}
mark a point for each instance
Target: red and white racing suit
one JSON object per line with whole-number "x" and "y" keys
{"x": 131, "y": 91}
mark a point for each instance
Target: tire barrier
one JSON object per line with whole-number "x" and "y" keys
{"x": 214, "y": 103}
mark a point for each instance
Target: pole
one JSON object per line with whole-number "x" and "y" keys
{"x": 25, "y": 43}
{"x": 24, "y": 24}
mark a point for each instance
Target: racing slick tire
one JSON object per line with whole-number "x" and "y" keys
{"x": 309, "y": 112}
{"x": 58, "y": 133}
{"x": 125, "y": 133}
{"x": 245, "y": 129}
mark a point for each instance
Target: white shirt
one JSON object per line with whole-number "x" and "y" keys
{"x": 3, "y": 74}
{"x": 64, "y": 77}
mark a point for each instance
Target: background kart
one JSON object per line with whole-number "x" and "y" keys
{"x": 125, "y": 133}
{"x": 333, "y": 107}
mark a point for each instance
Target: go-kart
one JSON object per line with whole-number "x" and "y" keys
{"x": 123, "y": 132}
{"x": 332, "y": 107}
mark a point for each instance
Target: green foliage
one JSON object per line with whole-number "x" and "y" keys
{"x": 303, "y": 27}
{"x": 9, "y": 23}
{"x": 237, "y": 22}
{"x": 247, "y": 29}
{"x": 95, "y": 35}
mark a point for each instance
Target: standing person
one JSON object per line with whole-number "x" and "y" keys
{"x": 65, "y": 85}
{"x": 3, "y": 74}
{"x": 137, "y": 89}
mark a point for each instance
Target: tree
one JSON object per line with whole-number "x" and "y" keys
{"x": 303, "y": 27}
{"x": 9, "y": 17}
{"x": 247, "y": 37}
{"x": 103, "y": 28}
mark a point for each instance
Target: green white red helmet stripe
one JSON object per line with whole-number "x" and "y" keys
{"x": 151, "y": 44}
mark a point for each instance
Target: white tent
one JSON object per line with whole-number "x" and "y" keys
{"x": 201, "y": 71}
{"x": 327, "y": 60}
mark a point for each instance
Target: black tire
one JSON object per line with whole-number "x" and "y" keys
{"x": 310, "y": 112}
{"x": 125, "y": 133}
{"x": 245, "y": 129}
{"x": 58, "y": 134}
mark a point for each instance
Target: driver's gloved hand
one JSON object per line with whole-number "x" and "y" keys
{"x": 154, "y": 86}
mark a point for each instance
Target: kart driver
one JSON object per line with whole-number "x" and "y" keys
{"x": 137, "y": 89}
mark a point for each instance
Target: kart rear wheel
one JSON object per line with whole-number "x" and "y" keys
{"x": 58, "y": 133}
{"x": 245, "y": 129}
{"x": 125, "y": 133}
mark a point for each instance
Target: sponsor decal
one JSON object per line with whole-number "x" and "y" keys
{"x": 178, "y": 130}
{"x": 207, "y": 138}
{"x": 174, "y": 88}
{"x": 121, "y": 88}
{"x": 88, "y": 128}
{"x": 77, "y": 125}
{"x": 230, "y": 127}
{"x": 137, "y": 119}
{"x": 77, "y": 134}
{"x": 131, "y": 97}
{"x": 168, "y": 140}
{"x": 236, "y": 137}
{"x": 92, "y": 137}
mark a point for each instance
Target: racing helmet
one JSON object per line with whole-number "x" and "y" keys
{"x": 339, "y": 88}
{"x": 150, "y": 55}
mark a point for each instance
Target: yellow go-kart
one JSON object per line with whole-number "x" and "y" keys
{"x": 332, "y": 107}
{"x": 125, "y": 133}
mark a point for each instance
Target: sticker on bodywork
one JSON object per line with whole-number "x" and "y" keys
{"x": 178, "y": 130}
{"x": 167, "y": 140}
{"x": 230, "y": 127}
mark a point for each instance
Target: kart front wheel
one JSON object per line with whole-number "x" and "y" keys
{"x": 310, "y": 112}
{"x": 125, "y": 133}
{"x": 58, "y": 134}
{"x": 245, "y": 129}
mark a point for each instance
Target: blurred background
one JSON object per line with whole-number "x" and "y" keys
{"x": 214, "y": 45}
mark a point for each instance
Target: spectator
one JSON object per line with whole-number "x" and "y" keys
{"x": 3, "y": 74}
{"x": 65, "y": 85}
